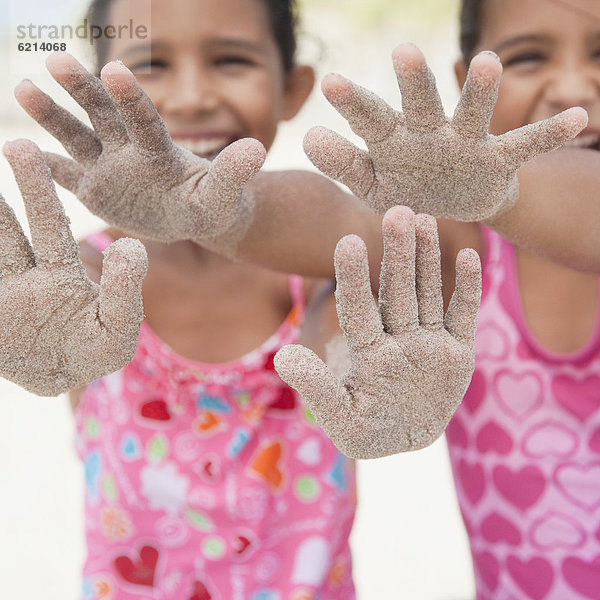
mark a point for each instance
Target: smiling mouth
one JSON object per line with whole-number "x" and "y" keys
{"x": 205, "y": 148}
{"x": 589, "y": 141}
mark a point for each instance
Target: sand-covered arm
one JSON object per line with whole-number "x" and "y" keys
{"x": 407, "y": 365}
{"x": 127, "y": 170}
{"x": 446, "y": 167}
{"x": 58, "y": 329}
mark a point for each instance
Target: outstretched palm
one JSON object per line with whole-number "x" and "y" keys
{"x": 58, "y": 329}
{"x": 408, "y": 367}
{"x": 449, "y": 168}
{"x": 127, "y": 170}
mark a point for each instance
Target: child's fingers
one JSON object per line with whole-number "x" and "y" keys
{"x": 421, "y": 102}
{"x": 87, "y": 90}
{"x": 222, "y": 186}
{"x": 358, "y": 314}
{"x": 397, "y": 298}
{"x": 428, "y": 273}
{"x": 340, "y": 159}
{"x": 16, "y": 255}
{"x": 526, "y": 142}
{"x": 66, "y": 172}
{"x": 77, "y": 139}
{"x": 51, "y": 237}
{"x": 461, "y": 316}
{"x": 146, "y": 129}
{"x": 480, "y": 92}
{"x": 303, "y": 370}
{"x": 123, "y": 270}
{"x": 121, "y": 312}
{"x": 369, "y": 116}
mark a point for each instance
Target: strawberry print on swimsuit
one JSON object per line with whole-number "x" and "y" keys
{"x": 525, "y": 451}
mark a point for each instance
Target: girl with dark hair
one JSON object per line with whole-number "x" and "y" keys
{"x": 206, "y": 476}
{"x": 523, "y": 444}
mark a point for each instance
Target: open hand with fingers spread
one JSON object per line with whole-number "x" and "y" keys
{"x": 128, "y": 171}
{"x": 408, "y": 367}
{"x": 449, "y": 168}
{"x": 58, "y": 329}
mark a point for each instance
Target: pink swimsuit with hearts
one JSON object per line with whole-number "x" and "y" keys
{"x": 211, "y": 481}
{"x": 525, "y": 452}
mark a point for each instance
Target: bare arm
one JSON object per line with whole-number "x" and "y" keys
{"x": 557, "y": 215}
{"x": 454, "y": 168}
{"x": 128, "y": 171}
{"x": 299, "y": 217}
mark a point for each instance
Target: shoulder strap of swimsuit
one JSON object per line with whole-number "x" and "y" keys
{"x": 296, "y": 286}
{"x": 99, "y": 240}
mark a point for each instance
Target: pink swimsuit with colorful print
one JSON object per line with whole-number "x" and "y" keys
{"x": 525, "y": 451}
{"x": 211, "y": 481}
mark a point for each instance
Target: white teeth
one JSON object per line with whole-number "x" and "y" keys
{"x": 204, "y": 147}
{"x": 585, "y": 141}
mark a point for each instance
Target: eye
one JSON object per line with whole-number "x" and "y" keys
{"x": 233, "y": 60}
{"x": 147, "y": 67}
{"x": 524, "y": 59}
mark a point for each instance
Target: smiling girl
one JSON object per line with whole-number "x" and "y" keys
{"x": 206, "y": 476}
{"x": 524, "y": 443}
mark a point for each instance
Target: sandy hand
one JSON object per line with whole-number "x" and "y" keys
{"x": 449, "y": 168}
{"x": 408, "y": 367}
{"x": 58, "y": 329}
{"x": 127, "y": 170}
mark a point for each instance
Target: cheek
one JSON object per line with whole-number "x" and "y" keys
{"x": 514, "y": 106}
{"x": 156, "y": 88}
{"x": 260, "y": 102}
{"x": 152, "y": 86}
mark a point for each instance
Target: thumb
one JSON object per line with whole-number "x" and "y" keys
{"x": 340, "y": 159}
{"x": 65, "y": 171}
{"x": 228, "y": 173}
{"x": 303, "y": 370}
{"x": 123, "y": 270}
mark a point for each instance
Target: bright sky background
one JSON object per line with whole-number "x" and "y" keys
{"x": 371, "y": 13}
{"x": 38, "y": 11}
{"x": 365, "y": 13}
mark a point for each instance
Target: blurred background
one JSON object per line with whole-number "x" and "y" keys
{"x": 408, "y": 539}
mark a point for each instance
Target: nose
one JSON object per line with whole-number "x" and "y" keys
{"x": 191, "y": 92}
{"x": 574, "y": 85}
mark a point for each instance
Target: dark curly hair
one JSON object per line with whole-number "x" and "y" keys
{"x": 283, "y": 17}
